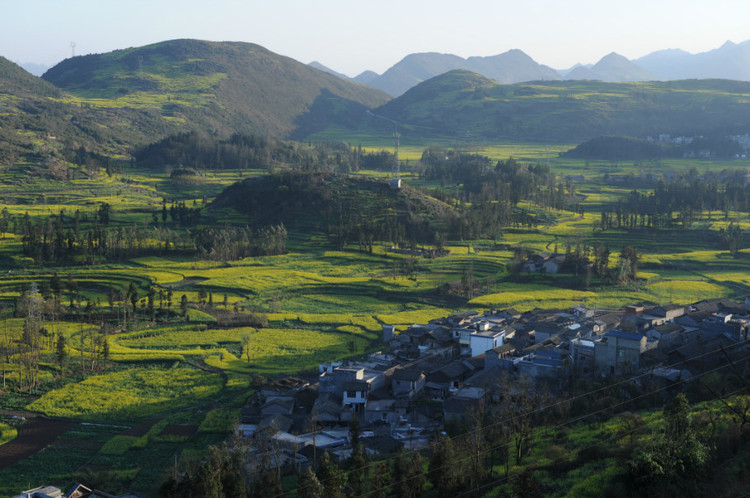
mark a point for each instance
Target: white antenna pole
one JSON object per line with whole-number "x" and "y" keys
{"x": 396, "y": 164}
{"x": 72, "y": 49}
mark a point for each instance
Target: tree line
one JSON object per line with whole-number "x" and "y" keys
{"x": 89, "y": 238}
{"x": 243, "y": 152}
{"x": 680, "y": 201}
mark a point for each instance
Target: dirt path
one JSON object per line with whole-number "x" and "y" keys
{"x": 33, "y": 436}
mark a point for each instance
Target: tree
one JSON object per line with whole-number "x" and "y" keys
{"x": 331, "y": 477}
{"x": 408, "y": 475}
{"x": 674, "y": 462}
{"x": 358, "y": 472}
{"x": 380, "y": 480}
{"x": 631, "y": 255}
{"x": 31, "y": 337}
{"x": 521, "y": 401}
{"x": 184, "y": 305}
{"x": 623, "y": 270}
{"x": 245, "y": 338}
{"x": 309, "y": 486}
{"x": 61, "y": 354}
{"x": 443, "y": 470}
{"x": 133, "y": 295}
{"x": 732, "y": 238}
{"x": 355, "y": 430}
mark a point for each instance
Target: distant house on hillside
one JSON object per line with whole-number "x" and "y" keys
{"x": 544, "y": 263}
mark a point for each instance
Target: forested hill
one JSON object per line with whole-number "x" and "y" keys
{"x": 348, "y": 209}
{"x": 467, "y": 104}
{"x": 222, "y": 87}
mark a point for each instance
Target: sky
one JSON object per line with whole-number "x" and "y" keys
{"x": 351, "y": 36}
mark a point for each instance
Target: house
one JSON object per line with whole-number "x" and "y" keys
{"x": 494, "y": 356}
{"x": 279, "y": 405}
{"x": 448, "y": 379}
{"x": 548, "y": 362}
{"x": 546, "y": 330}
{"x": 485, "y": 340}
{"x": 463, "y": 402}
{"x": 464, "y": 338}
{"x": 619, "y": 353}
{"x": 355, "y": 395}
{"x": 273, "y": 424}
{"x": 333, "y": 382}
{"x": 381, "y": 410}
{"x": 389, "y": 331}
{"x": 408, "y": 382}
{"x": 554, "y": 264}
{"x": 670, "y": 312}
{"x": 582, "y": 354}
{"x": 327, "y": 409}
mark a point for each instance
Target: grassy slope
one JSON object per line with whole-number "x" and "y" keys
{"x": 225, "y": 87}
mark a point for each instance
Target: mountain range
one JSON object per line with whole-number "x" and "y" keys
{"x": 730, "y": 61}
{"x": 114, "y": 103}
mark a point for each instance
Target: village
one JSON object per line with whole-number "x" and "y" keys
{"x": 432, "y": 374}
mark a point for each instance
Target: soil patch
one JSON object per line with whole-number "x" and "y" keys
{"x": 33, "y": 436}
{"x": 179, "y": 430}
{"x": 140, "y": 430}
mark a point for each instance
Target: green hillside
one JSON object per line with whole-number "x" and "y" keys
{"x": 40, "y": 123}
{"x": 222, "y": 87}
{"x": 461, "y": 103}
{"x": 17, "y": 81}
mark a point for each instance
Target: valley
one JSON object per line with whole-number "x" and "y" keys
{"x": 167, "y": 252}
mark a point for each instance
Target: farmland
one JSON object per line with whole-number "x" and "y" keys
{"x": 262, "y": 316}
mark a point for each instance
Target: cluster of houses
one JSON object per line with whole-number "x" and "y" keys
{"x": 433, "y": 372}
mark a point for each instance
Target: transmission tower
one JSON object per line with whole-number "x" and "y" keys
{"x": 72, "y": 49}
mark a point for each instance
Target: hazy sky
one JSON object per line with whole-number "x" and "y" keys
{"x": 351, "y": 36}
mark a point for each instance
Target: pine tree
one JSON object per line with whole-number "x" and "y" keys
{"x": 331, "y": 477}
{"x": 61, "y": 353}
{"x": 443, "y": 471}
{"x": 309, "y": 486}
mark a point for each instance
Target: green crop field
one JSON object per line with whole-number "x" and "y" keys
{"x": 130, "y": 394}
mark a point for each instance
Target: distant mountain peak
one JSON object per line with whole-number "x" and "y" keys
{"x": 612, "y": 67}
